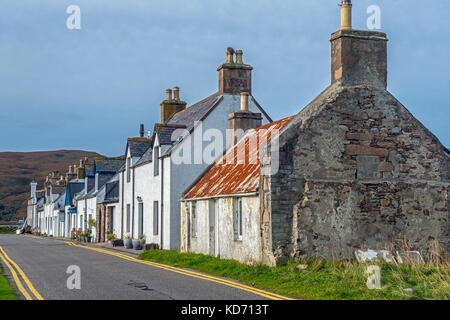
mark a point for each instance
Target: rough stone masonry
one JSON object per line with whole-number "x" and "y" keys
{"x": 357, "y": 170}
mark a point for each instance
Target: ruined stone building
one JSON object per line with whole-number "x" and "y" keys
{"x": 355, "y": 170}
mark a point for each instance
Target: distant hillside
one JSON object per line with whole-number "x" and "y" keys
{"x": 17, "y": 169}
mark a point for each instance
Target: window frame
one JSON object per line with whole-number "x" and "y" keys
{"x": 238, "y": 219}
{"x": 194, "y": 219}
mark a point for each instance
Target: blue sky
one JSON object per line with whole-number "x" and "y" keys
{"x": 91, "y": 88}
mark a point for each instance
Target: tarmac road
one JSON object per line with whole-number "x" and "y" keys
{"x": 109, "y": 275}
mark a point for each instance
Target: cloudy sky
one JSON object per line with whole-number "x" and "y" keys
{"x": 89, "y": 89}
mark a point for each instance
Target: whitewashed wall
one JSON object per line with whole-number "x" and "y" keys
{"x": 247, "y": 250}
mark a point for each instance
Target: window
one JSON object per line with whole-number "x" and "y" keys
{"x": 194, "y": 219}
{"x": 128, "y": 218}
{"x": 128, "y": 169}
{"x": 155, "y": 218}
{"x": 156, "y": 161}
{"x": 238, "y": 219}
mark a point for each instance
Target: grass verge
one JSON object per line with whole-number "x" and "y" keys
{"x": 328, "y": 280}
{"x": 7, "y": 230}
{"x": 6, "y": 291}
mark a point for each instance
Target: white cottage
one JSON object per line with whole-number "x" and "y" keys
{"x": 182, "y": 146}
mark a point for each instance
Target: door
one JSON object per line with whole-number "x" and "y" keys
{"x": 212, "y": 225}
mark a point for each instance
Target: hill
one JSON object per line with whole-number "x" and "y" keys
{"x": 17, "y": 169}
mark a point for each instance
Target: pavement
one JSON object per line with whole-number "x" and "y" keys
{"x": 105, "y": 274}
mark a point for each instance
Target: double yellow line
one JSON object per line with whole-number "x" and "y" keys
{"x": 262, "y": 293}
{"x": 14, "y": 268}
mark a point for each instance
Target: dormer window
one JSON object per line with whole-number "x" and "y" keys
{"x": 128, "y": 169}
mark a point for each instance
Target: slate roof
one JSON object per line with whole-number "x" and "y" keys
{"x": 72, "y": 189}
{"x": 58, "y": 190}
{"x": 138, "y": 146}
{"x": 108, "y": 165}
{"x": 146, "y": 158}
{"x": 195, "y": 112}
{"x": 165, "y": 132}
{"x": 236, "y": 172}
{"x": 89, "y": 171}
{"x": 102, "y": 180}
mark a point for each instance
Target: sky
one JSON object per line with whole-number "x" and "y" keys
{"x": 89, "y": 89}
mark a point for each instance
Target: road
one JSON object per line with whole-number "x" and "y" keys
{"x": 109, "y": 275}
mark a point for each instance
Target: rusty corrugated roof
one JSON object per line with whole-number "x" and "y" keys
{"x": 236, "y": 172}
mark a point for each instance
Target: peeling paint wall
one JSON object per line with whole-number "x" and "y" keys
{"x": 225, "y": 245}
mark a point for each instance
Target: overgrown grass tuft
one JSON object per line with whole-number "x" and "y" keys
{"x": 322, "y": 279}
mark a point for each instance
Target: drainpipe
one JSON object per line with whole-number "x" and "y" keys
{"x": 162, "y": 200}
{"x": 121, "y": 228}
{"x": 132, "y": 208}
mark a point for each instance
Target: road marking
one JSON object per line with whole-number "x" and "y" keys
{"x": 16, "y": 279}
{"x": 189, "y": 273}
{"x": 24, "y": 277}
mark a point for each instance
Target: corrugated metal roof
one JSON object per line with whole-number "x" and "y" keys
{"x": 236, "y": 173}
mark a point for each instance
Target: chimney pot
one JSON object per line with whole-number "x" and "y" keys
{"x": 169, "y": 94}
{"x": 239, "y": 57}
{"x": 176, "y": 94}
{"x": 346, "y": 14}
{"x": 244, "y": 101}
{"x": 230, "y": 55}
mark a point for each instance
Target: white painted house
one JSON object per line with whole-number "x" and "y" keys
{"x": 179, "y": 150}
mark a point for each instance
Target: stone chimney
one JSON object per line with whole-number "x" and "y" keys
{"x": 141, "y": 130}
{"x": 170, "y": 106}
{"x": 80, "y": 170}
{"x": 358, "y": 57}
{"x": 33, "y": 185}
{"x": 242, "y": 121}
{"x": 235, "y": 77}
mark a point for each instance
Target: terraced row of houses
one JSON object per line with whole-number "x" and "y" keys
{"x": 353, "y": 170}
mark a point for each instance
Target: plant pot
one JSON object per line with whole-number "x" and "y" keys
{"x": 117, "y": 243}
{"x": 88, "y": 239}
{"x": 137, "y": 244}
{"x": 142, "y": 243}
{"x": 128, "y": 243}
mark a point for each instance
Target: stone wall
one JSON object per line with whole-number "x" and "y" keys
{"x": 356, "y": 170}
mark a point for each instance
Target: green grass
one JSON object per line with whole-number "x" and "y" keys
{"x": 6, "y": 292}
{"x": 322, "y": 279}
{"x": 6, "y": 230}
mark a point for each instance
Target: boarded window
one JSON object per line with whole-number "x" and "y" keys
{"x": 155, "y": 218}
{"x": 368, "y": 167}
